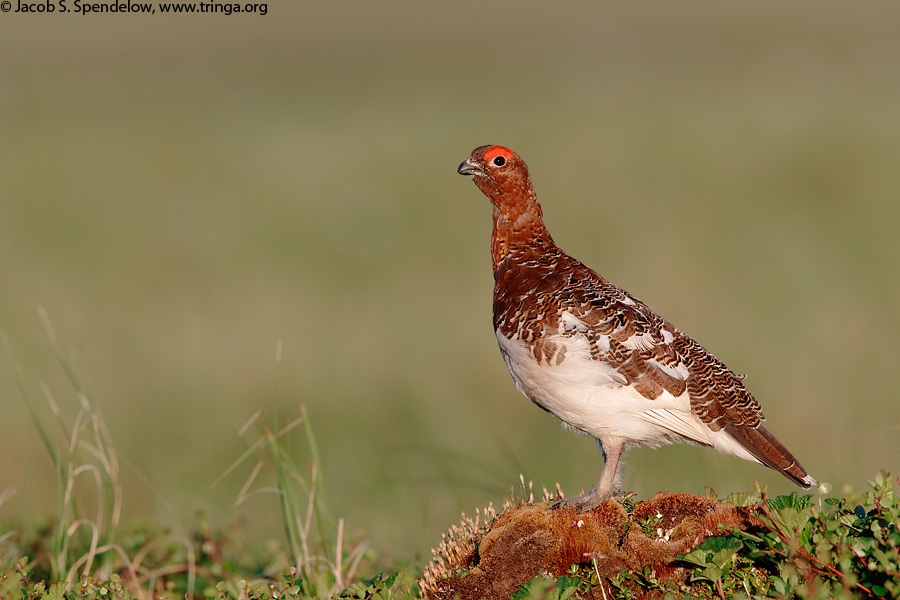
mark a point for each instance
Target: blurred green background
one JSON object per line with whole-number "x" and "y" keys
{"x": 183, "y": 193}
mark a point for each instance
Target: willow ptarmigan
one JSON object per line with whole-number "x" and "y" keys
{"x": 597, "y": 357}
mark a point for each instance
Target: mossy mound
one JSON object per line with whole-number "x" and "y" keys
{"x": 532, "y": 539}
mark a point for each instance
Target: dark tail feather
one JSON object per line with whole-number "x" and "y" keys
{"x": 770, "y": 452}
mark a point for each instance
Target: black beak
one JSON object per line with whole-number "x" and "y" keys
{"x": 467, "y": 168}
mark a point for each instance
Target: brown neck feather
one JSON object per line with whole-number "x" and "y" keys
{"x": 518, "y": 231}
{"x": 518, "y": 218}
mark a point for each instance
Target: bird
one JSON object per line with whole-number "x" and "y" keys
{"x": 598, "y": 358}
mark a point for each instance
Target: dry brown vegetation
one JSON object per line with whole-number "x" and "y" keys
{"x": 533, "y": 539}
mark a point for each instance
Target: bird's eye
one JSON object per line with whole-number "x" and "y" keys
{"x": 499, "y": 161}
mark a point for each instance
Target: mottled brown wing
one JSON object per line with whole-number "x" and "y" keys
{"x": 654, "y": 356}
{"x": 648, "y": 351}
{"x": 634, "y": 340}
{"x": 718, "y": 395}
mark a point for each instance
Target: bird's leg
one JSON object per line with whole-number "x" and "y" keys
{"x": 608, "y": 487}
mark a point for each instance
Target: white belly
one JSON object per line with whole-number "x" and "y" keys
{"x": 591, "y": 396}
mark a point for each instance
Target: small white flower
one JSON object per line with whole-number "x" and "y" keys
{"x": 663, "y": 536}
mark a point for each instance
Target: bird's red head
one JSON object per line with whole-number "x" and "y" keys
{"x": 500, "y": 174}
